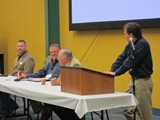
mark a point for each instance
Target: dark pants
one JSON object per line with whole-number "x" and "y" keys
{"x": 4, "y": 100}
{"x": 63, "y": 113}
{"x": 47, "y": 111}
{"x": 7, "y": 105}
{"x": 36, "y": 106}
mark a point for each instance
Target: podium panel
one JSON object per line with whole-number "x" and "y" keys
{"x": 83, "y": 81}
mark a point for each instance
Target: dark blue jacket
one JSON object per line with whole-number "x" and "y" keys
{"x": 141, "y": 65}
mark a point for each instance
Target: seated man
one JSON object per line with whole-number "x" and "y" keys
{"x": 65, "y": 58}
{"x": 24, "y": 63}
{"x": 51, "y": 70}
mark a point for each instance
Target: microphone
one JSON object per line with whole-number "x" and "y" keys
{"x": 132, "y": 43}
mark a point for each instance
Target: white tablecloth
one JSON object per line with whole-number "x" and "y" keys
{"x": 53, "y": 95}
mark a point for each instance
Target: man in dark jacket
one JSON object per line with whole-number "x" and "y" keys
{"x": 137, "y": 59}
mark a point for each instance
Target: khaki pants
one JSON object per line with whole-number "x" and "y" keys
{"x": 143, "y": 92}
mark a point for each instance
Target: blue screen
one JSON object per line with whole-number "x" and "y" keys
{"x": 96, "y": 11}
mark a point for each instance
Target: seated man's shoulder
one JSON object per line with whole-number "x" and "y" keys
{"x": 28, "y": 58}
{"x": 47, "y": 60}
{"x": 76, "y": 62}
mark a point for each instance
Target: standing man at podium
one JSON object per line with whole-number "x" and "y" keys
{"x": 137, "y": 59}
{"x": 65, "y": 58}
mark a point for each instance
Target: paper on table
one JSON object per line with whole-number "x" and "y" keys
{"x": 35, "y": 79}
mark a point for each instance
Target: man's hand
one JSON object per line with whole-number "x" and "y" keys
{"x": 22, "y": 75}
{"x": 110, "y": 73}
{"x": 55, "y": 81}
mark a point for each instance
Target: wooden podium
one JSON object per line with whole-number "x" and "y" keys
{"x": 83, "y": 81}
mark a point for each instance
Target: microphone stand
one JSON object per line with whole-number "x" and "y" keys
{"x": 133, "y": 79}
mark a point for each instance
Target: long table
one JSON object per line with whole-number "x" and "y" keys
{"x": 82, "y": 104}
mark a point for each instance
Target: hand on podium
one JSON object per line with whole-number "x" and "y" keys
{"x": 110, "y": 73}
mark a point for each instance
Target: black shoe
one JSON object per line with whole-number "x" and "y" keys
{"x": 2, "y": 116}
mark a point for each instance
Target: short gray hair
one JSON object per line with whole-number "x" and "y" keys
{"x": 66, "y": 53}
{"x": 56, "y": 45}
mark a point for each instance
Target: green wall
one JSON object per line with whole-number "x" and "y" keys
{"x": 52, "y": 22}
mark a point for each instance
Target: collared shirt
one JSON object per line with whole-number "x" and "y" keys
{"x": 67, "y": 64}
{"x": 20, "y": 55}
{"x": 52, "y": 68}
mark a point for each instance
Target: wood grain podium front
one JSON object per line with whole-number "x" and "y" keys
{"x": 83, "y": 81}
